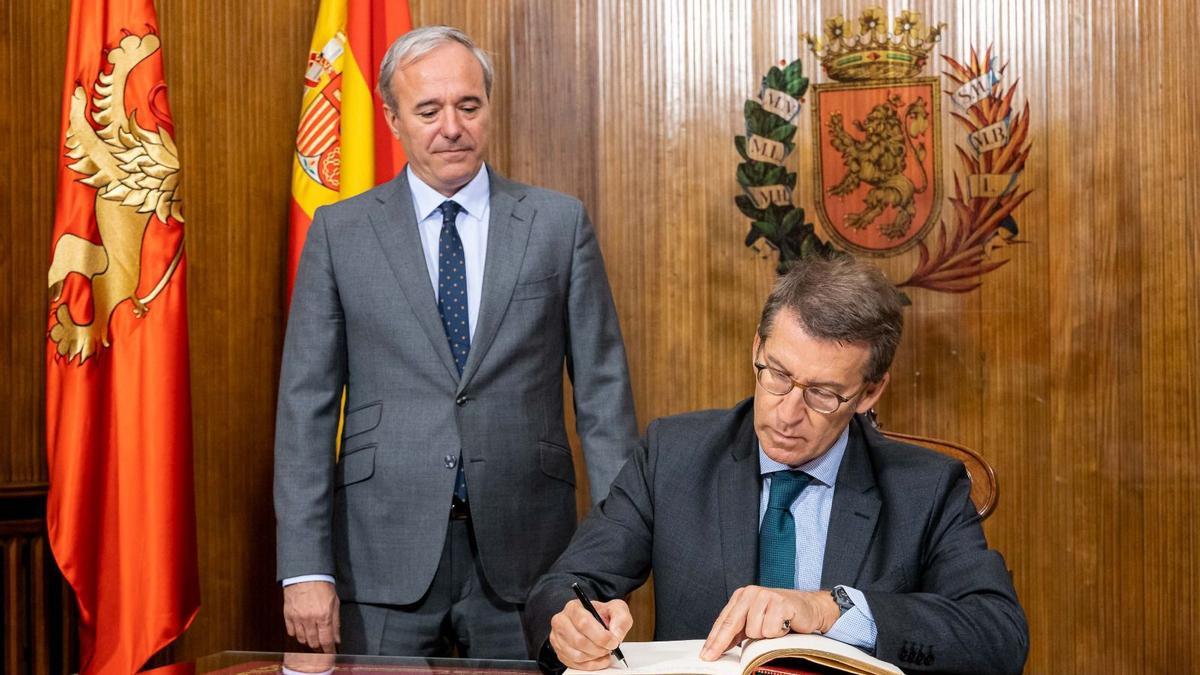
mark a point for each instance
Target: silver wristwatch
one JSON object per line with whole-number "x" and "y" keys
{"x": 842, "y": 598}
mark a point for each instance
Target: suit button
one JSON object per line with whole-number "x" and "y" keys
{"x": 451, "y": 461}
{"x": 461, "y": 400}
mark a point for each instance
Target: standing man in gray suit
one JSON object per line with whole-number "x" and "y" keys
{"x": 446, "y": 302}
{"x": 790, "y": 513}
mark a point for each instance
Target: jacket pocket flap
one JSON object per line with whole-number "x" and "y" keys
{"x": 355, "y": 466}
{"x": 556, "y": 462}
{"x": 535, "y": 289}
{"x": 362, "y": 419}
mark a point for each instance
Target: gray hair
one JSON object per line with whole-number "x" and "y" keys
{"x": 840, "y": 298}
{"x": 418, "y": 42}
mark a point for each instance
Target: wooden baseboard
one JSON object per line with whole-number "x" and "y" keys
{"x": 37, "y": 609}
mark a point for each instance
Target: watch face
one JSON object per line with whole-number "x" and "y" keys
{"x": 842, "y": 598}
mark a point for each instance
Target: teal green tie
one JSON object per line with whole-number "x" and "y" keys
{"x": 777, "y": 534}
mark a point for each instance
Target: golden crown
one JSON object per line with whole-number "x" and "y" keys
{"x": 871, "y": 52}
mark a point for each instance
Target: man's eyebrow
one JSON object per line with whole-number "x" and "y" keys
{"x": 777, "y": 365}
{"x": 832, "y": 386}
{"x": 437, "y": 101}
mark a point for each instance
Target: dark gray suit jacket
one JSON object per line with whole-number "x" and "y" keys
{"x": 364, "y": 315}
{"x": 902, "y": 530}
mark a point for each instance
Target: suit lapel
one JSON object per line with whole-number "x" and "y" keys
{"x": 395, "y": 224}
{"x": 854, "y": 514}
{"x": 508, "y": 237}
{"x": 738, "y": 497}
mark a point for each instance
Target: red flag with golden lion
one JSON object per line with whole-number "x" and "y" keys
{"x": 121, "y": 508}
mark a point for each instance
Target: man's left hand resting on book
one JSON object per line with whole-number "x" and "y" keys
{"x": 758, "y": 612}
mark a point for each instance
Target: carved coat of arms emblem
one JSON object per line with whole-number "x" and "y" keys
{"x": 878, "y": 187}
{"x": 877, "y": 134}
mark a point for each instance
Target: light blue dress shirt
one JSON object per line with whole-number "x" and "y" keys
{"x": 472, "y": 224}
{"x": 811, "y": 512}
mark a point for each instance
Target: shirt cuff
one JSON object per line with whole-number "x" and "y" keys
{"x": 315, "y": 577}
{"x": 857, "y": 626}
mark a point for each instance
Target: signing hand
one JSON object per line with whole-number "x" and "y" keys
{"x": 757, "y": 612}
{"x": 310, "y": 610}
{"x": 580, "y": 641}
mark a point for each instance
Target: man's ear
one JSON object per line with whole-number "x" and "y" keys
{"x": 871, "y": 396}
{"x": 755, "y": 346}
{"x": 393, "y": 121}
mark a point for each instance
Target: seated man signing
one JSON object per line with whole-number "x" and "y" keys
{"x": 791, "y": 513}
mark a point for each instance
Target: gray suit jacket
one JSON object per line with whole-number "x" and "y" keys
{"x": 902, "y": 530}
{"x": 364, "y": 315}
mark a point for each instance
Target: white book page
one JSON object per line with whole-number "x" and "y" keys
{"x": 817, "y": 643}
{"x": 676, "y": 657}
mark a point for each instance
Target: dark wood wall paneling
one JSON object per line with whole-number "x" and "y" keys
{"x": 1072, "y": 369}
{"x": 32, "y": 56}
{"x": 32, "y": 595}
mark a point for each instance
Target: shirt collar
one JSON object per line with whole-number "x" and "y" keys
{"x": 823, "y": 469}
{"x": 472, "y": 197}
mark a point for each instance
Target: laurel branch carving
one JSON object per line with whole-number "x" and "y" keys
{"x": 780, "y": 226}
{"x": 970, "y": 248}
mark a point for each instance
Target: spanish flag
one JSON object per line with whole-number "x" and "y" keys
{"x": 343, "y": 145}
{"x": 121, "y": 508}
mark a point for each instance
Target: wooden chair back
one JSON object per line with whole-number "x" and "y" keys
{"x": 985, "y": 491}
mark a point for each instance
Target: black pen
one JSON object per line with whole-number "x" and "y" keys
{"x": 587, "y": 604}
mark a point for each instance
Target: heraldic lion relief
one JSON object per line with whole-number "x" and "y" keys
{"x": 879, "y": 160}
{"x": 136, "y": 174}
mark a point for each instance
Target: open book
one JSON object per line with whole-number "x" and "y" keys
{"x": 793, "y": 653}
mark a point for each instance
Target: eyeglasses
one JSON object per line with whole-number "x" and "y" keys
{"x": 820, "y": 400}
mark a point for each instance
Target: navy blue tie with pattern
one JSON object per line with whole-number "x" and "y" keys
{"x": 777, "y": 534}
{"x": 452, "y": 303}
